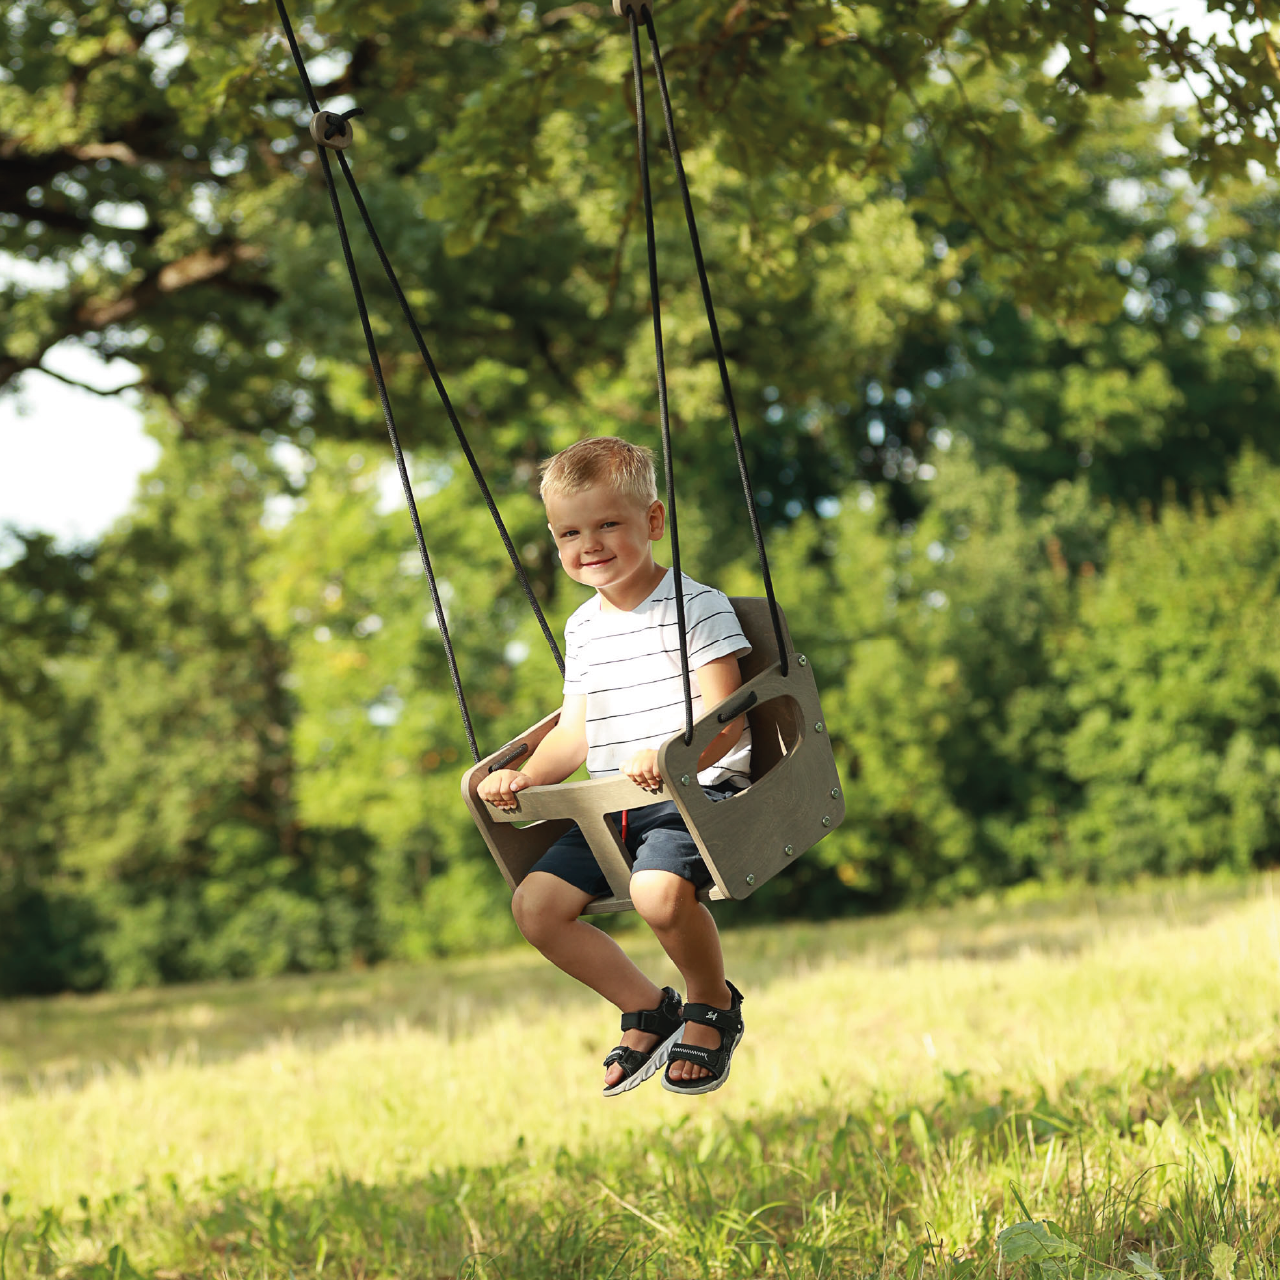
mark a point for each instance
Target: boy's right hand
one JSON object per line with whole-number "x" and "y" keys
{"x": 500, "y": 787}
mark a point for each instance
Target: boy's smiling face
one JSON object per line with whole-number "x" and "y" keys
{"x": 605, "y": 539}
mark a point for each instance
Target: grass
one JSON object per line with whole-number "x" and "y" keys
{"x": 909, "y": 1089}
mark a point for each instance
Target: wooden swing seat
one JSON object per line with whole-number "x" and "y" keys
{"x": 795, "y": 797}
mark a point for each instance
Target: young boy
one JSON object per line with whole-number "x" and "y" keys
{"x": 623, "y": 697}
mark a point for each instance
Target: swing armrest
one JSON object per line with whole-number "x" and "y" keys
{"x": 578, "y": 800}
{"x": 518, "y": 837}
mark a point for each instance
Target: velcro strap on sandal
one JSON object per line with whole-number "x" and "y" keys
{"x": 709, "y": 1058}
{"x": 661, "y": 1021}
{"x": 630, "y": 1060}
{"x": 650, "y": 1020}
{"x": 723, "y": 1020}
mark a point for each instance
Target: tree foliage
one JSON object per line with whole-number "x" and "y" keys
{"x": 1002, "y": 333}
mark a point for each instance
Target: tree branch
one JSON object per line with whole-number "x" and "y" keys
{"x": 204, "y": 266}
{"x": 84, "y": 386}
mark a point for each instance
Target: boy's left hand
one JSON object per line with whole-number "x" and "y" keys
{"x": 642, "y": 769}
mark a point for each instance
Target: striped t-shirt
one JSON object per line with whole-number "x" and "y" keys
{"x": 627, "y": 665}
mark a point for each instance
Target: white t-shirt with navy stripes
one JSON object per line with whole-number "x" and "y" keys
{"x": 627, "y": 665}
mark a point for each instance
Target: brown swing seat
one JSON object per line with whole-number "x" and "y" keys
{"x": 795, "y": 797}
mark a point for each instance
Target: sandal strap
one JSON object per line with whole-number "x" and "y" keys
{"x": 645, "y": 1020}
{"x": 630, "y": 1060}
{"x": 715, "y": 1060}
{"x": 661, "y": 1021}
{"x": 723, "y": 1020}
{"x": 726, "y": 1021}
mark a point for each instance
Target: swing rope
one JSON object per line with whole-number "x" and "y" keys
{"x": 748, "y": 494}
{"x": 463, "y": 442}
{"x": 427, "y": 360}
{"x": 387, "y": 414}
{"x": 642, "y": 145}
{"x": 667, "y": 453}
{"x": 401, "y": 466}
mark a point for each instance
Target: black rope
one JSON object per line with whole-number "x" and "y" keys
{"x": 643, "y": 149}
{"x": 297, "y": 56}
{"x": 715, "y": 333}
{"x": 463, "y": 442}
{"x": 387, "y": 414}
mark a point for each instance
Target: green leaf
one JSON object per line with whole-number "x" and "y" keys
{"x": 1222, "y": 1258}
{"x": 1035, "y": 1242}
{"x": 1143, "y": 1266}
{"x": 919, "y": 1132}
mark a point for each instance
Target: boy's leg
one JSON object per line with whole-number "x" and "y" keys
{"x": 669, "y": 905}
{"x": 546, "y": 909}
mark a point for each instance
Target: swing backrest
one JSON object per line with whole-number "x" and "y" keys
{"x": 774, "y": 727}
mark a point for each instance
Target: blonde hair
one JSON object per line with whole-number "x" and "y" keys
{"x": 626, "y": 468}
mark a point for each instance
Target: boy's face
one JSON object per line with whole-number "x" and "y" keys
{"x": 604, "y": 537}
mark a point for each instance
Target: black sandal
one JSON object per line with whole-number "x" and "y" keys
{"x": 728, "y": 1022}
{"x": 666, "y": 1023}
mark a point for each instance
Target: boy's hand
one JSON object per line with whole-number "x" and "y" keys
{"x": 500, "y": 787}
{"x": 642, "y": 769}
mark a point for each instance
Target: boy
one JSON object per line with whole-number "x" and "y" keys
{"x": 623, "y": 697}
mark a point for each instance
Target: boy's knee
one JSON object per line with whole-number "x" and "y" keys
{"x": 538, "y": 916}
{"x": 529, "y": 912}
{"x": 661, "y": 897}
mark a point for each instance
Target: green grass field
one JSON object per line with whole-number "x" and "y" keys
{"x": 909, "y": 1088}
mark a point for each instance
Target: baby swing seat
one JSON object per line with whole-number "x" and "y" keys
{"x": 795, "y": 797}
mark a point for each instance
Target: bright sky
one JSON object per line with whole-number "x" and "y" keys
{"x": 70, "y": 460}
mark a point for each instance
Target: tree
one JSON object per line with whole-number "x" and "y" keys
{"x": 1172, "y": 680}
{"x": 1152, "y": 402}
{"x": 152, "y": 161}
{"x": 48, "y": 602}
{"x": 974, "y": 306}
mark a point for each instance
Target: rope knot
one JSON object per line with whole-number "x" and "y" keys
{"x": 329, "y": 129}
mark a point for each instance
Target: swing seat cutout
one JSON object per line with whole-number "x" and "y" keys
{"x": 795, "y": 797}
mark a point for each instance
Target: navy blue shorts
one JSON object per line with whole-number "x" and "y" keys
{"x": 657, "y": 839}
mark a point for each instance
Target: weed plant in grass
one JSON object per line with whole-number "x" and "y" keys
{"x": 908, "y": 1091}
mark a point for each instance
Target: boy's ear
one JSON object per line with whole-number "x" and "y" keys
{"x": 657, "y": 520}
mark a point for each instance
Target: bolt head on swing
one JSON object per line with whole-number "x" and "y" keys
{"x": 329, "y": 129}
{"x": 643, "y": 9}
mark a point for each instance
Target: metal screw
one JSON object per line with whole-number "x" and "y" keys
{"x": 835, "y": 793}
{"x": 826, "y": 822}
{"x": 818, "y": 726}
{"x": 751, "y": 879}
{"x": 802, "y": 660}
{"x": 684, "y": 779}
{"x": 788, "y": 849}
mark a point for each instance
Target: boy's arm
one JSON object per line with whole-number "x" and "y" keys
{"x": 557, "y": 756}
{"x": 718, "y": 679}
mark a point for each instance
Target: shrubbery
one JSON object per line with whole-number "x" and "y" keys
{"x": 229, "y": 751}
